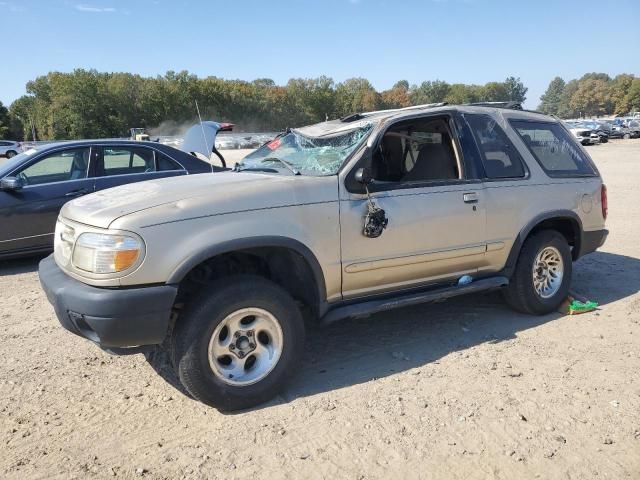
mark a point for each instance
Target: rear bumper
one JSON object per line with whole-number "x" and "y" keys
{"x": 593, "y": 240}
{"x": 112, "y": 318}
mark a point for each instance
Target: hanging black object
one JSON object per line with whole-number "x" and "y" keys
{"x": 376, "y": 220}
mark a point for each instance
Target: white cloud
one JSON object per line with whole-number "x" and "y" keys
{"x": 93, "y": 9}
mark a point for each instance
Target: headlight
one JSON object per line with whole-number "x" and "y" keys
{"x": 106, "y": 253}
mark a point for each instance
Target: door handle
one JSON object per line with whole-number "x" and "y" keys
{"x": 76, "y": 193}
{"x": 471, "y": 197}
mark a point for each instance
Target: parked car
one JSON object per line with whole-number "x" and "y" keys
{"x": 35, "y": 184}
{"x": 600, "y": 129}
{"x": 340, "y": 219}
{"x": 582, "y": 135}
{"x": 226, "y": 142}
{"x": 634, "y": 128}
{"x": 9, "y": 149}
{"x": 620, "y": 128}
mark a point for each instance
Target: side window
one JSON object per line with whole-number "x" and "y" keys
{"x": 164, "y": 163}
{"x": 499, "y": 156}
{"x": 127, "y": 160}
{"x": 553, "y": 148}
{"x": 417, "y": 150}
{"x": 72, "y": 164}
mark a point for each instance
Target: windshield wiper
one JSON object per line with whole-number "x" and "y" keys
{"x": 293, "y": 169}
{"x": 254, "y": 169}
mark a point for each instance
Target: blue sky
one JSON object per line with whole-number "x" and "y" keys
{"x": 468, "y": 41}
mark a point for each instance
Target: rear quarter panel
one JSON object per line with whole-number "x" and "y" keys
{"x": 513, "y": 204}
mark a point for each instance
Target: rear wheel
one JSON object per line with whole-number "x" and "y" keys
{"x": 542, "y": 276}
{"x": 11, "y": 154}
{"x": 238, "y": 346}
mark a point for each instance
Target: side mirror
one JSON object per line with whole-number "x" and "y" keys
{"x": 11, "y": 184}
{"x": 363, "y": 176}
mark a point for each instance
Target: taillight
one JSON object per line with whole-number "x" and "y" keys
{"x": 604, "y": 201}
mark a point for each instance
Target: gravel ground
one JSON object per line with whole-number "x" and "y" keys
{"x": 464, "y": 389}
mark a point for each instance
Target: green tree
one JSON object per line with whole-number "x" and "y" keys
{"x": 591, "y": 98}
{"x": 397, "y": 96}
{"x": 460, "y": 93}
{"x": 516, "y": 91}
{"x": 429, "y": 92}
{"x": 550, "y": 101}
{"x": 618, "y": 89}
{"x": 565, "y": 110}
{"x": 356, "y": 95}
{"x": 4, "y": 122}
{"x": 632, "y": 99}
{"x": 494, "y": 92}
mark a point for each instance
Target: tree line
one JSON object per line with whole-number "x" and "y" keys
{"x": 92, "y": 104}
{"x": 592, "y": 95}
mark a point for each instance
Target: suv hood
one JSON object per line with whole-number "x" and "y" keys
{"x": 178, "y": 198}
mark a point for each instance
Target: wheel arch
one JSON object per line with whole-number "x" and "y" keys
{"x": 302, "y": 256}
{"x": 566, "y": 222}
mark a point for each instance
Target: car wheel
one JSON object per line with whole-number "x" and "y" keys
{"x": 11, "y": 154}
{"x": 626, "y": 136}
{"x": 237, "y": 345}
{"x": 542, "y": 277}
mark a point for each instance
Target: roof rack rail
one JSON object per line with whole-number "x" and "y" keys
{"x": 352, "y": 117}
{"x": 509, "y": 105}
{"x": 359, "y": 116}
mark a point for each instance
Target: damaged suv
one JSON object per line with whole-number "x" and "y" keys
{"x": 340, "y": 219}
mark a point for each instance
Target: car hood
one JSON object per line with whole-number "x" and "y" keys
{"x": 194, "y": 196}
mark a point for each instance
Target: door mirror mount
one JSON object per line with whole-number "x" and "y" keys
{"x": 11, "y": 184}
{"x": 363, "y": 176}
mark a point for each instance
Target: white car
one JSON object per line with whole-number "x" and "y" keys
{"x": 582, "y": 134}
{"x": 9, "y": 149}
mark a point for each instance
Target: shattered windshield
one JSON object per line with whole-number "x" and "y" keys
{"x": 304, "y": 154}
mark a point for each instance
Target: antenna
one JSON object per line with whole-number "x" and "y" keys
{"x": 204, "y": 137}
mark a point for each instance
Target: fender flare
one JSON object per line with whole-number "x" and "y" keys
{"x": 526, "y": 230}
{"x": 211, "y": 251}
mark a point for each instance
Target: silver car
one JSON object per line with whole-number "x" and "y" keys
{"x": 9, "y": 149}
{"x": 345, "y": 218}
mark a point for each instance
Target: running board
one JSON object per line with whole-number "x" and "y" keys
{"x": 435, "y": 294}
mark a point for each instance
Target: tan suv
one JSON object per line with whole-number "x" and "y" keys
{"x": 344, "y": 218}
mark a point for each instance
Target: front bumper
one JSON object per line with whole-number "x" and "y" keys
{"x": 112, "y": 318}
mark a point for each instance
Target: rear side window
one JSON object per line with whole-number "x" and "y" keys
{"x": 499, "y": 157}
{"x": 125, "y": 160}
{"x": 164, "y": 163}
{"x": 554, "y": 149}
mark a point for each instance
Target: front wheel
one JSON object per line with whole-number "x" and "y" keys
{"x": 542, "y": 276}
{"x": 237, "y": 346}
{"x": 11, "y": 154}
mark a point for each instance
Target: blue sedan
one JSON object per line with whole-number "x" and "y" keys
{"x": 35, "y": 184}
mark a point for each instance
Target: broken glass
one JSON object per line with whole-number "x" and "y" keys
{"x": 320, "y": 155}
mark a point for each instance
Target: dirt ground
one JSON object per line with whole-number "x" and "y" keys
{"x": 465, "y": 389}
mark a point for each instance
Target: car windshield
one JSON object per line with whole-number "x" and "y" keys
{"x": 322, "y": 155}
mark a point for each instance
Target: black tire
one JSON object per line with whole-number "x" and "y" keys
{"x": 626, "y": 136}
{"x": 190, "y": 341}
{"x": 521, "y": 294}
{"x": 11, "y": 154}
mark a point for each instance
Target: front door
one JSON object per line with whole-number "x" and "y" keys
{"x": 436, "y": 214}
{"x": 29, "y": 214}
